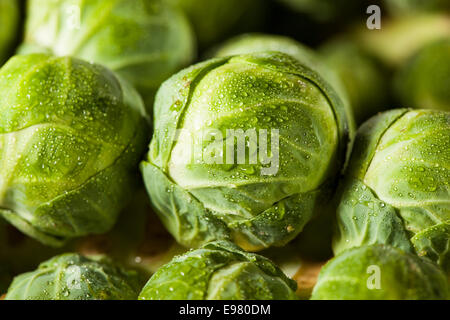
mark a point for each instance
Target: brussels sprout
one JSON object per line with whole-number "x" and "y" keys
{"x": 424, "y": 81}
{"x": 219, "y": 271}
{"x": 145, "y": 41}
{"x": 203, "y": 172}
{"x": 9, "y": 18}
{"x": 380, "y": 273}
{"x": 363, "y": 78}
{"x": 402, "y": 37}
{"x": 214, "y": 19}
{"x": 74, "y": 277}
{"x": 254, "y": 42}
{"x": 400, "y": 7}
{"x": 397, "y": 185}
{"x": 71, "y": 135}
{"x": 257, "y": 42}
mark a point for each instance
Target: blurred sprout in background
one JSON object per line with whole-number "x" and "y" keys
{"x": 9, "y": 27}
{"x": 258, "y": 42}
{"x": 424, "y": 80}
{"x": 213, "y": 20}
{"x": 71, "y": 136}
{"x": 379, "y": 69}
{"x": 323, "y": 10}
{"x": 402, "y": 7}
{"x": 363, "y": 78}
{"x": 400, "y": 38}
{"x": 145, "y": 41}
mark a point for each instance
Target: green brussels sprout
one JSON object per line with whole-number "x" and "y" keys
{"x": 257, "y": 42}
{"x": 397, "y": 185}
{"x": 9, "y": 18}
{"x": 424, "y": 81}
{"x": 363, "y": 78}
{"x": 380, "y": 272}
{"x": 71, "y": 136}
{"x": 74, "y": 277}
{"x": 254, "y": 42}
{"x": 214, "y": 19}
{"x": 402, "y": 37}
{"x": 210, "y": 177}
{"x": 145, "y": 41}
{"x": 400, "y": 7}
{"x": 219, "y": 271}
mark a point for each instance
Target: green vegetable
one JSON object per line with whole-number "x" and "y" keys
{"x": 9, "y": 18}
{"x": 364, "y": 80}
{"x": 401, "y": 7}
{"x": 258, "y": 42}
{"x": 380, "y": 273}
{"x": 74, "y": 277}
{"x": 214, "y": 192}
{"x": 71, "y": 135}
{"x": 214, "y": 19}
{"x": 145, "y": 41}
{"x": 397, "y": 186}
{"x": 219, "y": 271}
{"x": 424, "y": 81}
{"x": 402, "y": 37}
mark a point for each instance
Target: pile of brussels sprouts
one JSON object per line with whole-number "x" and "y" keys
{"x": 216, "y": 150}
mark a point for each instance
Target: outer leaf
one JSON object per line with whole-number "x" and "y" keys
{"x": 434, "y": 243}
{"x": 364, "y": 220}
{"x": 186, "y": 219}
